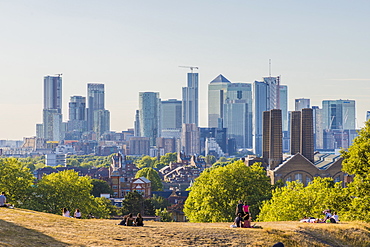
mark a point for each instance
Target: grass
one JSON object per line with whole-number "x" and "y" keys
{"x": 19, "y": 227}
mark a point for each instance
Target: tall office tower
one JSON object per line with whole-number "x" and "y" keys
{"x": 216, "y": 99}
{"x": 295, "y": 132}
{"x": 283, "y": 103}
{"x": 149, "y": 115}
{"x": 95, "y": 100}
{"x": 190, "y": 106}
{"x": 190, "y": 139}
{"x": 98, "y": 119}
{"x": 137, "y": 124}
{"x": 273, "y": 92}
{"x": 260, "y": 104}
{"x": 77, "y": 114}
{"x": 237, "y": 115}
{"x": 53, "y": 93}
{"x": 171, "y": 113}
{"x": 307, "y": 136}
{"x": 318, "y": 128}
{"x": 301, "y": 103}
{"x": 52, "y": 112}
{"x": 367, "y": 115}
{"x": 272, "y": 138}
{"x": 339, "y": 114}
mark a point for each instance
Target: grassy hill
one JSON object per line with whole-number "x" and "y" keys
{"x": 20, "y": 227}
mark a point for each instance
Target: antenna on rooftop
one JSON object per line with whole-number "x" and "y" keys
{"x": 270, "y": 67}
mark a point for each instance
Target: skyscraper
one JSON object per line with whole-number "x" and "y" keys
{"x": 52, "y": 112}
{"x": 216, "y": 98}
{"x": 171, "y": 113}
{"x": 149, "y": 115}
{"x": 98, "y": 119}
{"x": 77, "y": 114}
{"x": 190, "y": 135}
{"x": 190, "y": 106}
{"x": 339, "y": 114}
{"x": 301, "y": 103}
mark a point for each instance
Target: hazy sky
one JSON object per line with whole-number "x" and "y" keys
{"x": 320, "y": 49}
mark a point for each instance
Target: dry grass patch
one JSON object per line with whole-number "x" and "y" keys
{"x": 28, "y": 228}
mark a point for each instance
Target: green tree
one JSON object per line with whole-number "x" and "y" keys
{"x": 210, "y": 159}
{"x": 168, "y": 158}
{"x": 215, "y": 193}
{"x": 159, "y": 202}
{"x": 100, "y": 187}
{"x": 357, "y": 162}
{"x": 15, "y": 180}
{"x": 295, "y": 201}
{"x": 153, "y": 176}
{"x": 164, "y": 214}
{"x": 146, "y": 161}
{"x": 66, "y": 189}
{"x": 133, "y": 203}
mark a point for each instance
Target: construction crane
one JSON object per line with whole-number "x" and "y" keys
{"x": 59, "y": 75}
{"x": 190, "y": 67}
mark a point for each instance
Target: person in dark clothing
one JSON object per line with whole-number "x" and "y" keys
{"x": 239, "y": 208}
{"x": 139, "y": 220}
{"x": 238, "y": 220}
{"x": 130, "y": 220}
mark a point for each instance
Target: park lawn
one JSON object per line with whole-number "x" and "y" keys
{"x": 19, "y": 227}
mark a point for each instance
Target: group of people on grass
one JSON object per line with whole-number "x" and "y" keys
{"x": 329, "y": 218}
{"x": 77, "y": 214}
{"x": 129, "y": 220}
{"x": 243, "y": 217}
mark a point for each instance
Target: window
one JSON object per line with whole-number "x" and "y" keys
{"x": 288, "y": 179}
{"x": 308, "y": 180}
{"x": 337, "y": 179}
{"x": 298, "y": 177}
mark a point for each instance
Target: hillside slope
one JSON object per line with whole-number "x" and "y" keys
{"x": 20, "y": 227}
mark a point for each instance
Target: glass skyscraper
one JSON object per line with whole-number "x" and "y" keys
{"x": 190, "y": 105}
{"x": 216, "y": 99}
{"x": 149, "y": 116}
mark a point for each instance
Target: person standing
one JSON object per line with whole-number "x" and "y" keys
{"x": 239, "y": 208}
{"x": 3, "y": 200}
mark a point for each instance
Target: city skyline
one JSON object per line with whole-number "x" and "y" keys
{"x": 318, "y": 49}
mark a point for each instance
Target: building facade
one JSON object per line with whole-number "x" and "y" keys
{"x": 190, "y": 100}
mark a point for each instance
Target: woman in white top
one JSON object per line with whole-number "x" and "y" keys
{"x": 77, "y": 214}
{"x": 65, "y": 212}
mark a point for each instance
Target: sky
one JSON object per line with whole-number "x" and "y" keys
{"x": 319, "y": 48}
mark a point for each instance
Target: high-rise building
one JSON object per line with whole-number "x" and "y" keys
{"x": 217, "y": 89}
{"x": 77, "y": 114}
{"x": 98, "y": 119}
{"x": 137, "y": 124}
{"x": 307, "y": 134}
{"x": 52, "y": 112}
{"x": 367, "y": 115}
{"x": 318, "y": 128}
{"x": 171, "y": 114}
{"x": 301, "y": 103}
{"x": 53, "y": 93}
{"x": 190, "y": 139}
{"x": 268, "y": 95}
{"x": 339, "y": 114}
{"x": 272, "y": 138}
{"x": 149, "y": 115}
{"x": 295, "y": 132}
{"x": 190, "y": 105}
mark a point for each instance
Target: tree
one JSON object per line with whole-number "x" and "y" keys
{"x": 215, "y": 193}
{"x": 66, "y": 189}
{"x": 168, "y": 158}
{"x": 210, "y": 159}
{"x": 164, "y": 214}
{"x": 357, "y": 162}
{"x": 159, "y": 202}
{"x": 16, "y": 180}
{"x": 153, "y": 176}
{"x": 133, "y": 203}
{"x": 295, "y": 201}
{"x": 146, "y": 161}
{"x": 100, "y": 187}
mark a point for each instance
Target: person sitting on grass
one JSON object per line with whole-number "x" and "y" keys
{"x": 247, "y": 221}
{"x": 139, "y": 220}
{"x": 335, "y": 217}
{"x": 77, "y": 214}
{"x": 238, "y": 222}
{"x": 3, "y": 201}
{"x": 129, "y": 220}
{"x": 65, "y": 212}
